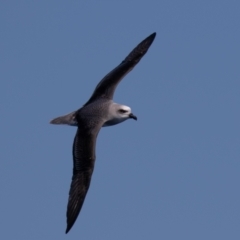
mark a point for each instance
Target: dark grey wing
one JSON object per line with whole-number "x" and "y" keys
{"x": 83, "y": 165}
{"x": 108, "y": 84}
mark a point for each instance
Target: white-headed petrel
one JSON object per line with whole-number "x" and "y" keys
{"x": 99, "y": 111}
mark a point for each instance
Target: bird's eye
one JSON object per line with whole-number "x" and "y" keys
{"x": 122, "y": 111}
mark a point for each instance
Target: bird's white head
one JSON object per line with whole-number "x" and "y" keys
{"x": 119, "y": 113}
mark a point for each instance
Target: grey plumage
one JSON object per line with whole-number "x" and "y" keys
{"x": 99, "y": 111}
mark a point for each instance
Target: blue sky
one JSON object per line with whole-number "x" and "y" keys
{"x": 173, "y": 174}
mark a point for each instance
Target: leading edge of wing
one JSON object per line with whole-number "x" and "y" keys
{"x": 108, "y": 84}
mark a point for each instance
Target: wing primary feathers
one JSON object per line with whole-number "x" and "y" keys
{"x": 78, "y": 190}
{"x": 83, "y": 165}
{"x": 106, "y": 87}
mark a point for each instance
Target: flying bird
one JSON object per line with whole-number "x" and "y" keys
{"x": 99, "y": 111}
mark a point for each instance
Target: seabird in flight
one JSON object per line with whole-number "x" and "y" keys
{"x": 99, "y": 111}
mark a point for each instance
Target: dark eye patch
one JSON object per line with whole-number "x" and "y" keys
{"x": 122, "y": 111}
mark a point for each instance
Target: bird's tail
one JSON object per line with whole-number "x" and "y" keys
{"x": 69, "y": 119}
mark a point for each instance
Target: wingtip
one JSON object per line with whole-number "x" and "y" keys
{"x": 152, "y": 36}
{"x": 69, "y": 226}
{"x": 147, "y": 42}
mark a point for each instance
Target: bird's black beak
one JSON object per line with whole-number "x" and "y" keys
{"x": 132, "y": 116}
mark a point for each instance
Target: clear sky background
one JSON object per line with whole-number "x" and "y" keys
{"x": 173, "y": 174}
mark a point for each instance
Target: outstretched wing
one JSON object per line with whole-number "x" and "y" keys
{"x": 108, "y": 84}
{"x": 83, "y": 165}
